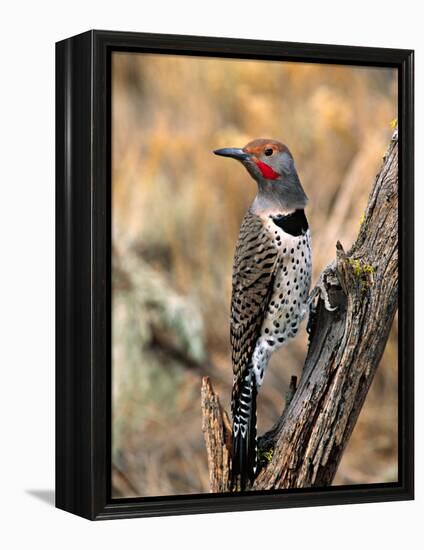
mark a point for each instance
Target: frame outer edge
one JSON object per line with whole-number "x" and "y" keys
{"x": 406, "y": 281}
{"x": 83, "y": 281}
{"x": 74, "y": 384}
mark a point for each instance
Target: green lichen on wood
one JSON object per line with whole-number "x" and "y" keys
{"x": 265, "y": 455}
{"x": 363, "y": 272}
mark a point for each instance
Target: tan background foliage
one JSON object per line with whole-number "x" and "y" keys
{"x": 176, "y": 214}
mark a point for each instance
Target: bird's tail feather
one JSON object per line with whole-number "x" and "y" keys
{"x": 244, "y": 435}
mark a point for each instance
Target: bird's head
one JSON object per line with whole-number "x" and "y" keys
{"x": 271, "y": 164}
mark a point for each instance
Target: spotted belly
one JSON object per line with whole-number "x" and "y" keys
{"x": 288, "y": 303}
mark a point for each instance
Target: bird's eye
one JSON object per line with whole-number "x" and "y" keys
{"x": 268, "y": 152}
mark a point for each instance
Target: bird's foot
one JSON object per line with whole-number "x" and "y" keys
{"x": 324, "y": 296}
{"x": 321, "y": 290}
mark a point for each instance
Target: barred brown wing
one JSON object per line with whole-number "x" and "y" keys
{"x": 255, "y": 263}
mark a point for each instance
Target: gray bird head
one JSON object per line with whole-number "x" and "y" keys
{"x": 271, "y": 164}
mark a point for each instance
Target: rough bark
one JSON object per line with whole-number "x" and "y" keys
{"x": 217, "y": 430}
{"x": 305, "y": 446}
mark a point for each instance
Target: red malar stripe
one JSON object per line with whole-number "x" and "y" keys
{"x": 267, "y": 171}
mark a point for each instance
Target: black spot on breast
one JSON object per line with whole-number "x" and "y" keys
{"x": 270, "y": 342}
{"x": 294, "y": 224}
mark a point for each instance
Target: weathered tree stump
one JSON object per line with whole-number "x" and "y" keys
{"x": 305, "y": 446}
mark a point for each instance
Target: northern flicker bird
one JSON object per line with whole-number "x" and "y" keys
{"x": 270, "y": 285}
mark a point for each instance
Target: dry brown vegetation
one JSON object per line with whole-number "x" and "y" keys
{"x": 176, "y": 214}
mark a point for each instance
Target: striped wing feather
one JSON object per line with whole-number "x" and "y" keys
{"x": 255, "y": 265}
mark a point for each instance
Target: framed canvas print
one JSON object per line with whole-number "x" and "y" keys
{"x": 234, "y": 224}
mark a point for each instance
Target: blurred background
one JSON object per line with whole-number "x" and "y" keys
{"x": 176, "y": 213}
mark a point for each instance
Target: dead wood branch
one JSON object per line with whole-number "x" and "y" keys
{"x": 305, "y": 447}
{"x": 217, "y": 430}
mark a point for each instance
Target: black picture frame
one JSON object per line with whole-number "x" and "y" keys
{"x": 83, "y": 281}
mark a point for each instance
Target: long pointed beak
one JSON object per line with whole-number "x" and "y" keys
{"x": 232, "y": 152}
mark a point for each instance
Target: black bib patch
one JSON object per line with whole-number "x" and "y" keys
{"x": 294, "y": 224}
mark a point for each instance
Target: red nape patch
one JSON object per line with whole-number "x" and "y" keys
{"x": 267, "y": 171}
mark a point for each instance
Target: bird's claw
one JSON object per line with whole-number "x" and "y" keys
{"x": 321, "y": 289}
{"x": 324, "y": 296}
